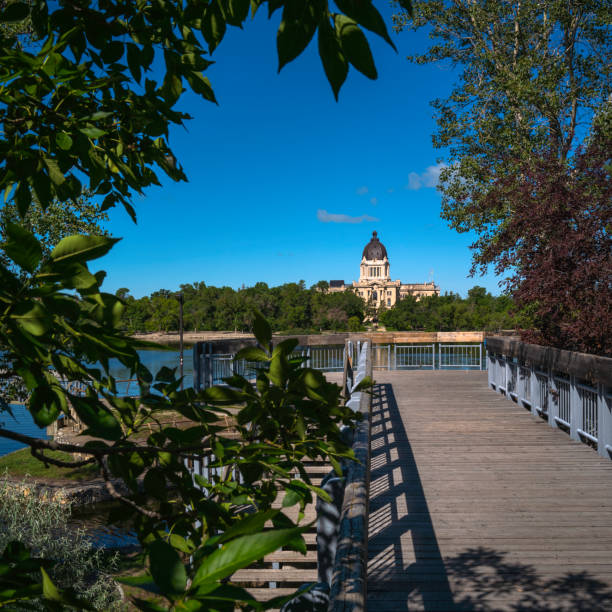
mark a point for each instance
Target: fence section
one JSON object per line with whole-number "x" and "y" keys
{"x": 572, "y": 392}
{"x": 414, "y": 356}
{"x": 212, "y": 368}
{"x": 460, "y": 356}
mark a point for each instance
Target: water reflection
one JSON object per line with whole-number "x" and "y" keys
{"x": 104, "y": 526}
{"x": 154, "y": 360}
{"x": 21, "y": 422}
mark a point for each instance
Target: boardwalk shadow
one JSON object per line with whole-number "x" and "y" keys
{"x": 406, "y": 570}
{"x": 404, "y": 557}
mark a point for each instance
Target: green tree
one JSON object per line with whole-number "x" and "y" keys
{"x": 531, "y": 74}
{"x": 57, "y": 220}
{"x": 80, "y": 102}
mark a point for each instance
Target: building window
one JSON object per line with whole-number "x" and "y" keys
{"x": 388, "y": 301}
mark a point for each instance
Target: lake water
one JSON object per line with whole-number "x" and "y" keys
{"x": 154, "y": 360}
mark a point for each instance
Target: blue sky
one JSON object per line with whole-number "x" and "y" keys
{"x": 286, "y": 184}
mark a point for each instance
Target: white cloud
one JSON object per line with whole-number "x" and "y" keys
{"x": 429, "y": 178}
{"x": 325, "y": 217}
{"x": 362, "y": 190}
{"x": 374, "y": 201}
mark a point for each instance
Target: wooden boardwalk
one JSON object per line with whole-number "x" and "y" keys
{"x": 477, "y": 505}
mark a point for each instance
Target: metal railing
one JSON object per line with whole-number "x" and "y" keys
{"x": 460, "y": 356}
{"x": 213, "y": 368}
{"x": 414, "y": 356}
{"x": 582, "y": 408}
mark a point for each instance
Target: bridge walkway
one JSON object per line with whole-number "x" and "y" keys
{"x": 477, "y": 505}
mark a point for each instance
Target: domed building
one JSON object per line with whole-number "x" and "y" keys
{"x": 375, "y": 285}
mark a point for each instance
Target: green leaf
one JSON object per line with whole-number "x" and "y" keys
{"x": 155, "y": 483}
{"x": 355, "y": 46}
{"x": 99, "y": 420}
{"x": 292, "y": 497}
{"x": 295, "y": 31}
{"x": 112, "y": 52}
{"x": 92, "y": 131}
{"x": 332, "y": 58}
{"x": 31, "y": 317}
{"x": 142, "y": 582}
{"x": 213, "y": 26}
{"x": 133, "y": 59}
{"x": 42, "y": 185}
{"x": 46, "y": 405}
{"x": 254, "y": 522}
{"x": 239, "y": 10}
{"x": 241, "y": 552}
{"x": 278, "y": 370}
{"x": 406, "y": 5}
{"x": 17, "y": 11}
{"x": 56, "y": 175}
{"x": 63, "y": 140}
{"x": 201, "y": 85}
{"x": 222, "y": 395}
{"x": 23, "y": 198}
{"x": 365, "y": 14}
{"x": 262, "y": 330}
{"x": 82, "y": 248}
{"x": 166, "y": 568}
{"x": 251, "y": 353}
{"x": 22, "y": 247}
{"x": 50, "y": 591}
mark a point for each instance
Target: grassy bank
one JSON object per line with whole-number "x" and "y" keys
{"x": 19, "y": 463}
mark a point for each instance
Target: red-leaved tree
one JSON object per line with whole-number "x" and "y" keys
{"x": 557, "y": 246}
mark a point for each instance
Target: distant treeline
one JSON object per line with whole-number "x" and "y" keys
{"x": 293, "y": 308}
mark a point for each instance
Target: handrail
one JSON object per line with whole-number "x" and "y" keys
{"x": 349, "y": 575}
{"x": 569, "y": 389}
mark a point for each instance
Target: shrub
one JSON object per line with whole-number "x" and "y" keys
{"x": 41, "y": 522}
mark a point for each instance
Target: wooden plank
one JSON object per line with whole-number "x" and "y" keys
{"x": 476, "y": 504}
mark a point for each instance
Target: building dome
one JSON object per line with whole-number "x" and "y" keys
{"x": 375, "y": 249}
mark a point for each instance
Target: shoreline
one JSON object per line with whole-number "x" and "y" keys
{"x": 190, "y": 337}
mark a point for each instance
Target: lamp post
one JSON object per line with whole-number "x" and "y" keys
{"x": 180, "y": 298}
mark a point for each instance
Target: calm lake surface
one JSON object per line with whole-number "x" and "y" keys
{"x": 154, "y": 360}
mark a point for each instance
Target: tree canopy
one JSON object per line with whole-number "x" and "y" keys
{"x": 532, "y": 75}
{"x": 292, "y": 308}
{"x": 79, "y": 102}
{"x": 450, "y": 312}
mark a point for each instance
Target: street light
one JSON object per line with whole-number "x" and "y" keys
{"x": 180, "y": 298}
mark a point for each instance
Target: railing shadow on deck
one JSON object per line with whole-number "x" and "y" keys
{"x": 394, "y": 480}
{"x": 406, "y": 570}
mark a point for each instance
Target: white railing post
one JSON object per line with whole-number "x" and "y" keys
{"x": 508, "y": 377}
{"x": 554, "y": 397}
{"x": 604, "y": 422}
{"x": 535, "y": 390}
{"x": 575, "y": 410}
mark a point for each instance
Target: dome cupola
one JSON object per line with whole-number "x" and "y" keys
{"x": 375, "y": 249}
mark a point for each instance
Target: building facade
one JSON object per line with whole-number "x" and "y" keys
{"x": 375, "y": 285}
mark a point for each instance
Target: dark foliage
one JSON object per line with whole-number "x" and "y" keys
{"x": 557, "y": 245}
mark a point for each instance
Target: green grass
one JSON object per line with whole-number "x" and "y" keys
{"x": 21, "y": 462}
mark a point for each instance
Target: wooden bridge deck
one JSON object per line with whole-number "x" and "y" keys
{"x": 477, "y": 505}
